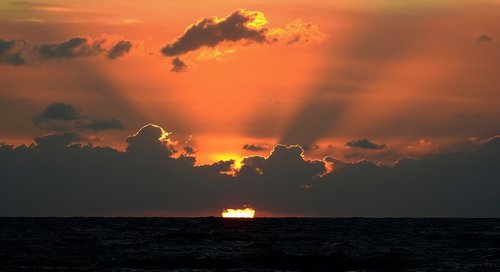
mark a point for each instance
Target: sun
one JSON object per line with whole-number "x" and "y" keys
{"x": 238, "y": 213}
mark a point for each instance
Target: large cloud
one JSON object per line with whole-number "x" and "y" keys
{"x": 242, "y": 26}
{"x": 56, "y": 176}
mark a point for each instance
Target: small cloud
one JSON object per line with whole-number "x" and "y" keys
{"x": 10, "y": 52}
{"x": 19, "y": 52}
{"x": 189, "y": 150}
{"x": 119, "y": 49}
{"x": 178, "y": 65}
{"x": 72, "y": 48}
{"x": 256, "y": 147}
{"x": 310, "y": 147}
{"x": 296, "y": 32}
{"x": 484, "y": 38}
{"x": 61, "y": 116}
{"x": 59, "y": 111}
{"x": 365, "y": 144}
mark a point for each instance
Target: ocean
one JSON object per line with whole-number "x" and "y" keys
{"x": 258, "y": 244}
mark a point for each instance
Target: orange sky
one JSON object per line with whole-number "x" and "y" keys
{"x": 412, "y": 76}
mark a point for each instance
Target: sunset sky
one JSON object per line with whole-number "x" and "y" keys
{"x": 347, "y": 81}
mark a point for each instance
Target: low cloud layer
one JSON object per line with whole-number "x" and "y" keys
{"x": 19, "y": 52}
{"x": 75, "y": 179}
{"x": 241, "y": 26}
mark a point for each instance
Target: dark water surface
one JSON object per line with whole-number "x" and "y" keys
{"x": 260, "y": 244}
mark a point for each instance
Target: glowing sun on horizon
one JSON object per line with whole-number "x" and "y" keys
{"x": 238, "y": 213}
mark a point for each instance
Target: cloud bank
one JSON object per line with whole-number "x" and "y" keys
{"x": 80, "y": 179}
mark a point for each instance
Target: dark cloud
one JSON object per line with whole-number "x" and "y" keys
{"x": 18, "y": 52}
{"x": 72, "y": 48}
{"x": 10, "y": 53}
{"x": 103, "y": 124}
{"x": 454, "y": 184}
{"x": 119, "y": 49}
{"x": 256, "y": 147}
{"x": 212, "y": 31}
{"x": 178, "y": 65}
{"x": 484, "y": 38}
{"x": 58, "y": 176}
{"x": 59, "y": 111}
{"x": 242, "y": 26}
{"x": 310, "y": 147}
{"x": 60, "y": 116}
{"x": 365, "y": 144}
